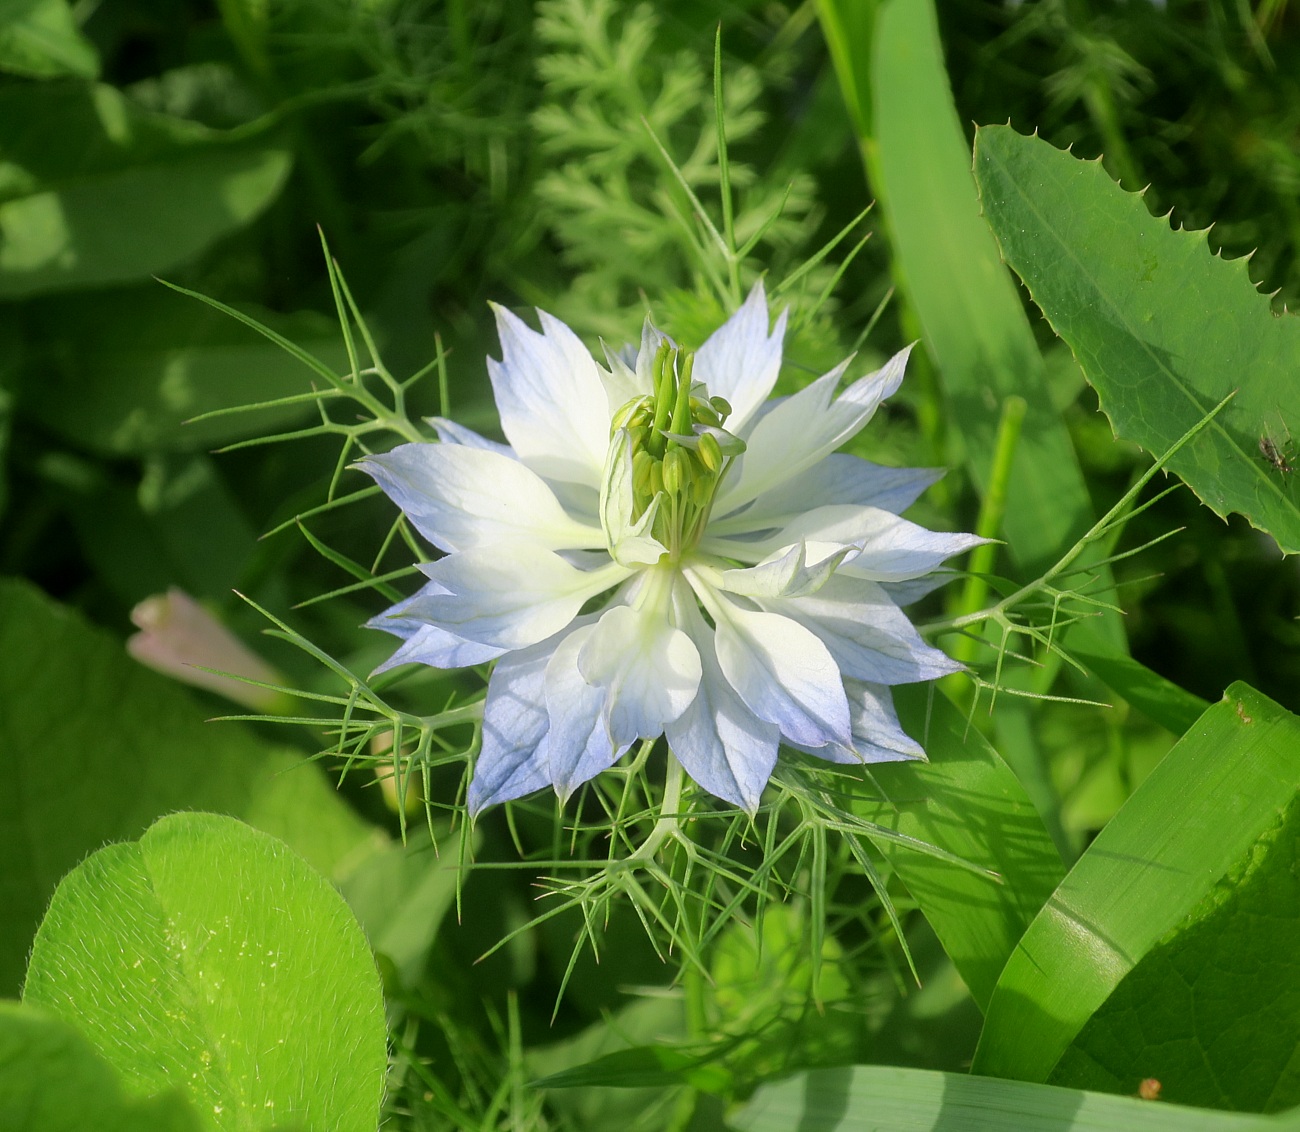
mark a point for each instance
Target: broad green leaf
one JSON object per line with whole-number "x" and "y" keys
{"x": 209, "y": 957}
{"x": 1163, "y": 329}
{"x": 947, "y": 263}
{"x": 40, "y": 39}
{"x": 1191, "y": 826}
{"x": 95, "y": 190}
{"x": 872, "y": 1098}
{"x": 967, "y": 801}
{"x": 133, "y": 365}
{"x": 1213, "y": 1010}
{"x": 94, "y": 747}
{"x": 1159, "y": 699}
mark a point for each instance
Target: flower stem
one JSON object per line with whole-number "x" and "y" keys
{"x": 669, "y": 814}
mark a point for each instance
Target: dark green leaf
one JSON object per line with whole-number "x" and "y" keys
{"x": 1163, "y": 329}
{"x": 1189, "y": 828}
{"x": 132, "y": 367}
{"x": 1213, "y": 1010}
{"x": 208, "y": 957}
{"x": 967, "y": 801}
{"x": 40, "y": 39}
{"x": 95, "y": 190}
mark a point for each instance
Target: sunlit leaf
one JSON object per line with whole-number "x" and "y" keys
{"x": 1163, "y": 329}
{"x": 209, "y": 957}
{"x": 1160, "y": 882}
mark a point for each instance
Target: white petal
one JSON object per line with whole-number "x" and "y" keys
{"x": 649, "y": 669}
{"x": 449, "y": 432}
{"x": 838, "y": 479}
{"x": 892, "y": 549}
{"x": 510, "y": 764}
{"x": 629, "y": 369}
{"x": 460, "y": 497}
{"x": 578, "y": 743}
{"x": 551, "y": 399}
{"x": 787, "y": 573}
{"x": 870, "y": 638}
{"x": 741, "y": 361}
{"x": 510, "y": 595}
{"x": 723, "y": 745}
{"x": 802, "y": 430}
{"x": 784, "y": 674}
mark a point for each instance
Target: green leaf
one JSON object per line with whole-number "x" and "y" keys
{"x": 95, "y": 190}
{"x": 207, "y": 956}
{"x": 1159, "y": 699}
{"x": 94, "y": 747}
{"x": 868, "y": 1098}
{"x": 947, "y": 263}
{"x": 401, "y": 895}
{"x": 1163, "y": 329}
{"x": 1188, "y": 828}
{"x": 132, "y": 366}
{"x": 51, "y": 1078}
{"x": 1213, "y": 1010}
{"x": 967, "y": 801}
{"x": 642, "y": 1067}
{"x": 40, "y": 39}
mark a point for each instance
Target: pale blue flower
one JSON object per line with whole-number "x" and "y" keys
{"x": 661, "y": 550}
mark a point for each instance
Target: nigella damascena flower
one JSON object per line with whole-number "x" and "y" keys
{"x": 660, "y": 550}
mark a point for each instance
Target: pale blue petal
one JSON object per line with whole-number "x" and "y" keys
{"x": 782, "y": 672}
{"x": 460, "y": 497}
{"x": 426, "y": 643}
{"x": 878, "y": 737}
{"x": 508, "y": 595}
{"x": 510, "y": 763}
{"x": 551, "y": 399}
{"x": 649, "y": 670}
{"x": 721, "y": 744}
{"x": 838, "y": 479}
{"x": 741, "y": 361}
{"x": 804, "y": 429}
{"x": 870, "y": 638}
{"x": 450, "y": 432}
{"x": 578, "y": 743}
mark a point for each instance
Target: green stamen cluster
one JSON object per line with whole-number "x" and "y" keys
{"x": 670, "y": 458}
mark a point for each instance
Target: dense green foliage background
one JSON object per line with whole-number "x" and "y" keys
{"x": 456, "y": 153}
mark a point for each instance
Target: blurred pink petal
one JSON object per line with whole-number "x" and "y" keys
{"x": 177, "y": 633}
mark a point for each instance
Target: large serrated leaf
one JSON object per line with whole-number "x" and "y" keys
{"x": 1170, "y": 860}
{"x": 1163, "y": 329}
{"x": 208, "y": 957}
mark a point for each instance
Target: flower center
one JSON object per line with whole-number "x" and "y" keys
{"x": 680, "y": 451}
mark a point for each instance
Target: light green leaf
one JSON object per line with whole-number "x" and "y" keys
{"x": 94, "y": 747}
{"x": 871, "y": 1098}
{"x": 947, "y": 263}
{"x": 967, "y": 801}
{"x": 1163, "y": 329}
{"x": 95, "y": 190}
{"x": 208, "y": 957}
{"x": 1190, "y": 825}
{"x": 136, "y": 364}
{"x": 1213, "y": 1010}
{"x": 40, "y": 39}
{"x": 1159, "y": 699}
{"x": 51, "y": 1079}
